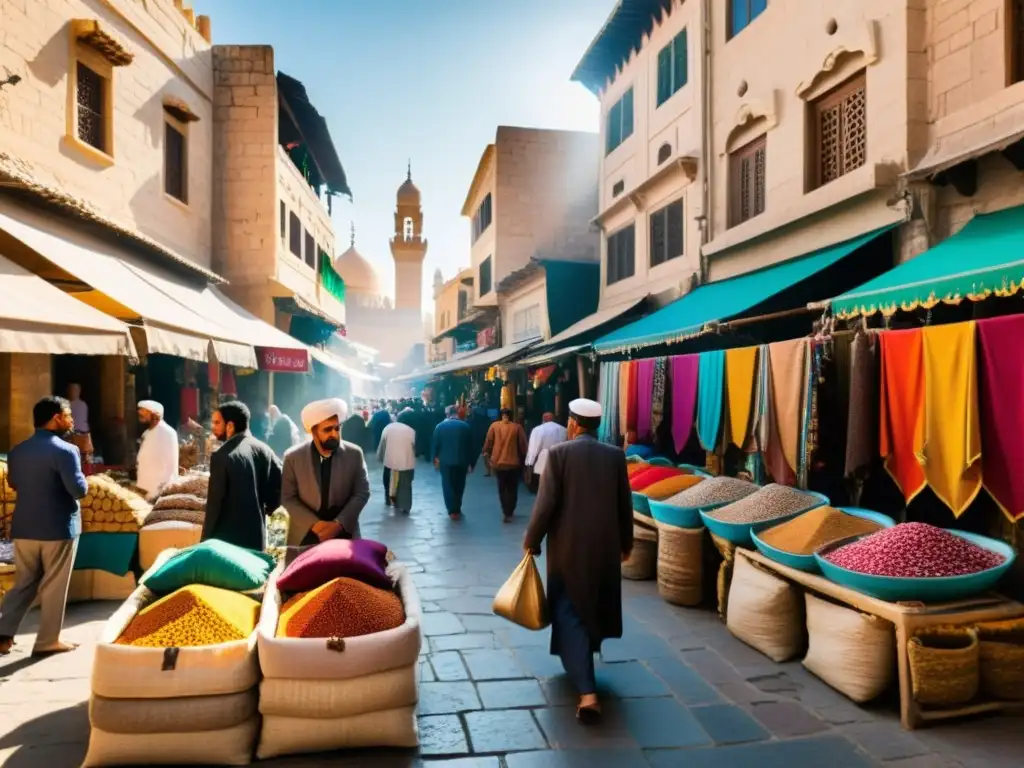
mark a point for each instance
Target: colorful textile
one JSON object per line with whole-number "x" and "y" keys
{"x": 952, "y": 447}
{"x": 809, "y": 428}
{"x": 789, "y": 361}
{"x": 862, "y": 418}
{"x": 770, "y": 444}
{"x": 901, "y": 411}
{"x": 623, "y": 393}
{"x": 652, "y": 475}
{"x": 644, "y": 398}
{"x": 1001, "y": 382}
{"x": 684, "y": 397}
{"x": 711, "y": 381}
{"x": 214, "y": 563}
{"x": 740, "y": 370}
{"x": 362, "y": 559}
{"x": 609, "y": 398}
{"x": 658, "y": 396}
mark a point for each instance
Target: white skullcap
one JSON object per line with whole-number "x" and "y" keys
{"x": 588, "y": 409}
{"x": 322, "y": 410}
{"x": 152, "y": 406}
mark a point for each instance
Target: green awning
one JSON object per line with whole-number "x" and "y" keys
{"x": 723, "y": 300}
{"x": 982, "y": 259}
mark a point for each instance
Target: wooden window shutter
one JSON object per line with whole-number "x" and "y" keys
{"x": 747, "y": 179}
{"x": 658, "y": 235}
{"x": 674, "y": 224}
{"x": 840, "y": 125}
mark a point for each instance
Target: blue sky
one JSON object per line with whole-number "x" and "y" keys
{"x": 428, "y": 80}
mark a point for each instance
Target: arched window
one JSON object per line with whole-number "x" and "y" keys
{"x": 664, "y": 153}
{"x": 409, "y": 228}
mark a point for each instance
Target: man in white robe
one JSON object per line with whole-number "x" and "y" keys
{"x": 158, "y": 454}
{"x": 542, "y": 438}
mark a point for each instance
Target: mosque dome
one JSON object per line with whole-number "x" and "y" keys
{"x": 358, "y": 273}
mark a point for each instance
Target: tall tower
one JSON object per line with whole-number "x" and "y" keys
{"x": 408, "y": 248}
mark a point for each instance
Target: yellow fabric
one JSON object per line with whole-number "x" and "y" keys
{"x": 670, "y": 486}
{"x": 952, "y": 447}
{"x": 740, "y": 365}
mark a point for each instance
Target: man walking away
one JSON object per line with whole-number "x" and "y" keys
{"x": 584, "y": 509}
{"x": 453, "y": 456}
{"x": 245, "y": 482}
{"x": 323, "y": 485}
{"x": 380, "y": 419}
{"x": 549, "y": 434}
{"x": 46, "y": 472}
{"x": 505, "y": 449}
{"x": 397, "y": 451}
{"x": 158, "y": 454}
{"x": 283, "y": 433}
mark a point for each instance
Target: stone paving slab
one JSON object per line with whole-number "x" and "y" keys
{"x": 678, "y": 689}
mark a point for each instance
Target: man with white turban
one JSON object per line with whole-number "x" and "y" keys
{"x": 324, "y": 486}
{"x": 158, "y": 453}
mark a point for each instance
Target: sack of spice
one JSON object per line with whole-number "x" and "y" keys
{"x": 323, "y": 692}
{"x": 853, "y": 652}
{"x": 765, "y": 611}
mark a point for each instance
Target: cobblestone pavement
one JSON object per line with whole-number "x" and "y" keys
{"x": 679, "y": 690}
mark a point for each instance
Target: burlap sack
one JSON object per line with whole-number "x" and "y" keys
{"x": 232, "y": 746}
{"x": 173, "y": 534}
{"x": 765, "y": 612}
{"x": 318, "y": 699}
{"x": 301, "y": 735}
{"x": 853, "y": 652}
{"x": 193, "y": 714}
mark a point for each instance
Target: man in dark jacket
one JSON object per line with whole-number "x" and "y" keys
{"x": 585, "y": 510}
{"x": 380, "y": 419}
{"x": 245, "y": 482}
{"x": 46, "y": 472}
{"x": 453, "y": 456}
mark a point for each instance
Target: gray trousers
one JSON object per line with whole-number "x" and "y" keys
{"x": 43, "y": 570}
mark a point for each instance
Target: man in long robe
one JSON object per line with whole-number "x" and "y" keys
{"x": 245, "y": 482}
{"x": 584, "y": 509}
{"x": 158, "y": 454}
{"x": 324, "y": 485}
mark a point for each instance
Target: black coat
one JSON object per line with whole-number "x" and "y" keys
{"x": 585, "y": 509}
{"x": 245, "y": 487}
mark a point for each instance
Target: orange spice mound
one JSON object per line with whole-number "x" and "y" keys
{"x": 340, "y": 608}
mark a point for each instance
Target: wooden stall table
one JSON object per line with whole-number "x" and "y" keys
{"x": 908, "y": 618}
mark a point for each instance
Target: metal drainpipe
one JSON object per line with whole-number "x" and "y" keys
{"x": 707, "y": 160}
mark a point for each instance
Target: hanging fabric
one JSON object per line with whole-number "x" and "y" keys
{"x": 809, "y": 425}
{"x": 644, "y": 399}
{"x": 684, "y": 397}
{"x": 740, "y": 370}
{"x": 623, "y": 398}
{"x": 658, "y": 397}
{"x": 711, "y": 384}
{"x": 789, "y": 360}
{"x": 901, "y": 412}
{"x": 952, "y": 446}
{"x": 862, "y": 414}
{"x": 609, "y": 398}
{"x": 1001, "y": 382}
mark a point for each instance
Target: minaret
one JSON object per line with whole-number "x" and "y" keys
{"x": 408, "y": 248}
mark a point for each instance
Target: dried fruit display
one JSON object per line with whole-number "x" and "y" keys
{"x": 914, "y": 550}
{"x": 110, "y": 508}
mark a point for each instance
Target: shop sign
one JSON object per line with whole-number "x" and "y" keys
{"x": 282, "y": 360}
{"x": 485, "y": 338}
{"x": 466, "y": 346}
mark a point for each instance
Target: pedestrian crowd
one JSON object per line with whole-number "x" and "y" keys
{"x": 583, "y": 508}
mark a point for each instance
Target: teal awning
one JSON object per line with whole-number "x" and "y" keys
{"x": 982, "y": 259}
{"x": 723, "y": 300}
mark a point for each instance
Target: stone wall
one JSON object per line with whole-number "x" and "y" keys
{"x": 24, "y": 380}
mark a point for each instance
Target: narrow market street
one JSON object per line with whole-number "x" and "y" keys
{"x": 679, "y": 689}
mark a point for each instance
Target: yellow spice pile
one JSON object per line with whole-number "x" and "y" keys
{"x": 812, "y": 530}
{"x": 191, "y": 616}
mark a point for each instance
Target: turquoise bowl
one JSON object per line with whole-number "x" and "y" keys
{"x": 681, "y": 517}
{"x": 695, "y": 470}
{"x": 739, "y": 533}
{"x": 660, "y": 461}
{"x": 641, "y": 504}
{"x": 808, "y": 562}
{"x": 933, "y": 589}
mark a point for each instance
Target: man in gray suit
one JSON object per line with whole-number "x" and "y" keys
{"x": 324, "y": 486}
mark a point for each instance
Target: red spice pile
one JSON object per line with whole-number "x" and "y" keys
{"x": 914, "y": 550}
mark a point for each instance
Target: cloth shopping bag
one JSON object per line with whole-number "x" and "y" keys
{"x": 521, "y": 599}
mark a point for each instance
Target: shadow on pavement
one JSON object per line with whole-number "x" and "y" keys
{"x": 54, "y": 739}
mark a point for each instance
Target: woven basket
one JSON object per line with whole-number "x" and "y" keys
{"x": 646, "y": 530}
{"x": 944, "y": 666}
{"x": 643, "y": 561}
{"x": 680, "y": 561}
{"x": 1001, "y": 659}
{"x": 728, "y": 552}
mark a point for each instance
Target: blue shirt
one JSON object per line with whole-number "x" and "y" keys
{"x": 47, "y": 474}
{"x": 453, "y": 444}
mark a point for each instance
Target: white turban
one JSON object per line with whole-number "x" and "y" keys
{"x": 152, "y": 406}
{"x": 588, "y": 409}
{"x": 322, "y": 410}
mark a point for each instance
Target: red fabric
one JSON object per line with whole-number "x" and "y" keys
{"x": 902, "y": 409}
{"x": 189, "y": 404}
{"x": 1001, "y": 369}
{"x": 361, "y": 559}
{"x": 227, "y": 384}
{"x": 653, "y": 475}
